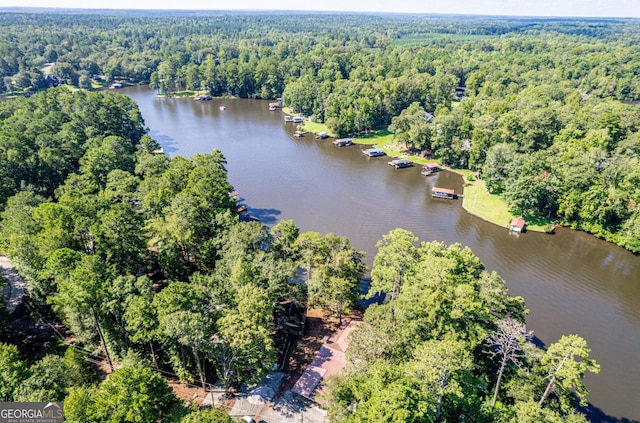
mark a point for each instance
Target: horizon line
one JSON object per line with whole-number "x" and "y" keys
{"x": 310, "y": 11}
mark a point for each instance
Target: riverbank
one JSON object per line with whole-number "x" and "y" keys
{"x": 492, "y": 208}
{"x": 476, "y": 200}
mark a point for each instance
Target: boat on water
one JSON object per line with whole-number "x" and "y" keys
{"x": 223, "y": 108}
{"x": 202, "y": 97}
{"x": 297, "y": 119}
{"x": 322, "y": 135}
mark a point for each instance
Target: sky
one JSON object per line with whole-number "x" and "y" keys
{"x": 581, "y": 8}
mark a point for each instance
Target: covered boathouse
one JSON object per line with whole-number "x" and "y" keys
{"x": 517, "y": 224}
{"x": 400, "y": 163}
{"x": 443, "y": 193}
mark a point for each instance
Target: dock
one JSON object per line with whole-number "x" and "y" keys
{"x": 202, "y": 97}
{"x": 321, "y": 135}
{"x": 343, "y": 142}
{"x": 288, "y": 118}
{"x": 374, "y": 152}
{"x": 430, "y": 168}
{"x": 299, "y": 133}
{"x": 400, "y": 163}
{"x": 446, "y": 193}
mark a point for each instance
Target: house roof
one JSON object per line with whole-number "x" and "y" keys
{"x": 518, "y": 222}
{"x": 432, "y": 165}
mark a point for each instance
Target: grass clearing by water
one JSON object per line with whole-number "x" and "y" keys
{"x": 492, "y": 208}
{"x": 316, "y": 128}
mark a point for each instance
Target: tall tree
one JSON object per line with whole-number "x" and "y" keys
{"x": 245, "y": 347}
{"x": 507, "y": 344}
{"x": 394, "y": 262}
{"x": 566, "y": 362}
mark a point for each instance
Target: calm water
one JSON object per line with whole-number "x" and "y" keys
{"x": 572, "y": 282}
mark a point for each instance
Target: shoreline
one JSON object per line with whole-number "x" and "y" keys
{"x": 494, "y": 204}
{"x": 465, "y": 205}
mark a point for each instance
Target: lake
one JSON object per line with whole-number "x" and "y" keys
{"x": 572, "y": 283}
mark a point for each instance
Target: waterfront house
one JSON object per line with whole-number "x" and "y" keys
{"x": 443, "y": 193}
{"x": 517, "y": 224}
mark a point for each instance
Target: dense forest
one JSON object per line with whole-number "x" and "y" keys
{"x": 146, "y": 262}
{"x": 548, "y": 115}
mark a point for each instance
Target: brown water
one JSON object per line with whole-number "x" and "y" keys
{"x": 571, "y": 282}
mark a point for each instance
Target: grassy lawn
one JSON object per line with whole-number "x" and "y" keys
{"x": 289, "y": 111}
{"x": 180, "y": 94}
{"x": 493, "y": 208}
{"x": 384, "y": 140}
{"x": 316, "y": 128}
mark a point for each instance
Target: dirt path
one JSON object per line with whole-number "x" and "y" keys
{"x": 15, "y": 289}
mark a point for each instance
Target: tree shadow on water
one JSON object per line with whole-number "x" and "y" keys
{"x": 265, "y": 216}
{"x": 169, "y": 145}
{"x": 596, "y": 415}
{"x": 593, "y": 413}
